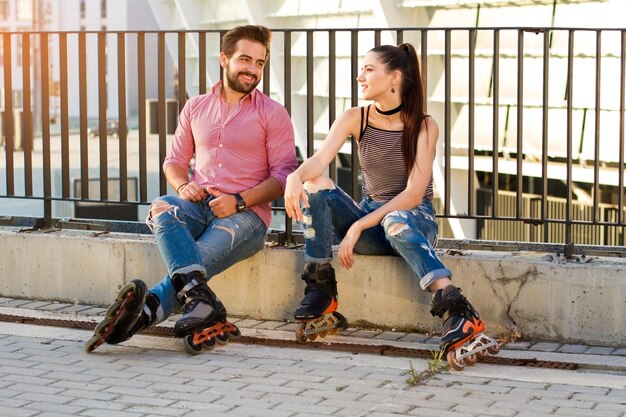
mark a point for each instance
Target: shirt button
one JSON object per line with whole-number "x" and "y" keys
{"x": 219, "y": 165}
{"x": 221, "y": 145}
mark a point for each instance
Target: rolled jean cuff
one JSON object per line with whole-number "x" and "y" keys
{"x": 190, "y": 268}
{"x": 312, "y": 260}
{"x": 433, "y": 276}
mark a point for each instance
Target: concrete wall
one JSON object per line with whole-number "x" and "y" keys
{"x": 544, "y": 299}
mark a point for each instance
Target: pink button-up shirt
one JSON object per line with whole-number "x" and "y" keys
{"x": 237, "y": 150}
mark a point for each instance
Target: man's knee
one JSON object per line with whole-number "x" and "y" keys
{"x": 159, "y": 207}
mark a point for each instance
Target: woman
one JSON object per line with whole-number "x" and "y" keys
{"x": 396, "y": 146}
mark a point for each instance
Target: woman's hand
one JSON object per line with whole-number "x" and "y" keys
{"x": 294, "y": 193}
{"x": 346, "y": 247}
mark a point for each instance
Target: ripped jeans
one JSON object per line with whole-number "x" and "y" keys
{"x": 190, "y": 238}
{"x": 411, "y": 234}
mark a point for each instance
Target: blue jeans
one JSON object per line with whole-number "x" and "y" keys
{"x": 190, "y": 238}
{"x": 411, "y": 234}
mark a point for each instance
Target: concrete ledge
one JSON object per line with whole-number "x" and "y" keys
{"x": 544, "y": 299}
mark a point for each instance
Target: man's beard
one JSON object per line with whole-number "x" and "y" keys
{"x": 236, "y": 85}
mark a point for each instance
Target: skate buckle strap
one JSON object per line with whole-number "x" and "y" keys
{"x": 445, "y": 304}
{"x": 182, "y": 294}
{"x": 319, "y": 277}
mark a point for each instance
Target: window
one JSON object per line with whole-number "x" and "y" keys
{"x": 24, "y": 10}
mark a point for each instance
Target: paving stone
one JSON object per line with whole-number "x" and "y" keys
{"x": 518, "y": 345}
{"x": 390, "y": 335}
{"x": 414, "y": 338}
{"x": 599, "y": 350}
{"x": 545, "y": 347}
{"x": 573, "y": 348}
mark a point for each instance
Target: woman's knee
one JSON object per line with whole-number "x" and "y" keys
{"x": 317, "y": 184}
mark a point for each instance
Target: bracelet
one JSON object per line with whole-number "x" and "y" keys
{"x": 184, "y": 184}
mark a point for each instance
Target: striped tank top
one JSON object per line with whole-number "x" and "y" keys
{"x": 382, "y": 162}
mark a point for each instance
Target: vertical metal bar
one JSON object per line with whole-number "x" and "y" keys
{"x": 65, "y": 129}
{"x": 182, "y": 72}
{"x": 520, "y": 126}
{"x": 162, "y": 111}
{"x": 424, "y": 69}
{"x": 447, "y": 122}
{"x": 596, "y": 161}
{"x": 267, "y": 76}
{"x": 332, "y": 93}
{"x": 622, "y": 107}
{"x": 202, "y": 62}
{"x": 222, "y": 33}
{"x": 141, "y": 116}
{"x": 287, "y": 68}
{"x": 45, "y": 129}
{"x": 121, "y": 105}
{"x": 8, "y": 113}
{"x": 377, "y": 37}
{"x": 570, "y": 96}
{"x": 471, "y": 125}
{"x": 82, "y": 93}
{"x": 496, "y": 123}
{"x": 354, "y": 66}
{"x": 399, "y": 36}
{"x": 27, "y": 134}
{"x": 547, "y": 35}
{"x": 309, "y": 95}
{"x": 102, "y": 112}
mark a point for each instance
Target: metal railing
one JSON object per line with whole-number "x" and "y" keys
{"x": 531, "y": 111}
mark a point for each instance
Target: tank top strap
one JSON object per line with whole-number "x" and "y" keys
{"x": 364, "y": 111}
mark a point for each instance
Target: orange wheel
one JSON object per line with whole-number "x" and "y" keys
{"x": 300, "y": 337}
{"x": 494, "y": 349}
{"x": 454, "y": 363}
{"x": 471, "y": 360}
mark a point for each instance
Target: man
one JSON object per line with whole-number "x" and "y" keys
{"x": 242, "y": 144}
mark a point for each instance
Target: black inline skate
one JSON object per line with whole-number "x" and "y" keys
{"x": 462, "y": 337}
{"x": 318, "y": 309}
{"x": 204, "y": 318}
{"x": 131, "y": 312}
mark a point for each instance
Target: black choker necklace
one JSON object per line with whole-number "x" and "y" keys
{"x": 388, "y": 112}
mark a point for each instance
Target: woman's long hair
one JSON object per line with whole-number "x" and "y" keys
{"x": 404, "y": 58}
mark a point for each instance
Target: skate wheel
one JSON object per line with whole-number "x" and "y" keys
{"x": 454, "y": 363}
{"x": 113, "y": 309}
{"x": 471, "y": 360}
{"x": 494, "y": 349}
{"x": 222, "y": 339}
{"x": 101, "y": 327}
{"x": 236, "y": 334}
{"x": 481, "y": 355}
{"x": 191, "y": 347}
{"x": 300, "y": 336}
{"x": 209, "y": 344}
{"x": 93, "y": 343}
{"x": 312, "y": 337}
{"x": 127, "y": 288}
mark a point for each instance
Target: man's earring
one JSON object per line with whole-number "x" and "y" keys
{"x": 393, "y": 90}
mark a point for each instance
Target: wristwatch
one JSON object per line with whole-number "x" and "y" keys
{"x": 241, "y": 203}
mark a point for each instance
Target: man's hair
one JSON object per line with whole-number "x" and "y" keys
{"x": 256, "y": 33}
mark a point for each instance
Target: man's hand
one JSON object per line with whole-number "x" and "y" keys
{"x": 193, "y": 192}
{"x": 223, "y": 205}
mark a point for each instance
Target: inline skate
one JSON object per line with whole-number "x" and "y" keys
{"x": 130, "y": 313}
{"x": 318, "y": 309}
{"x": 204, "y": 319}
{"x": 462, "y": 340}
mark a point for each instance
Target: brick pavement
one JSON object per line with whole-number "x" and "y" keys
{"x": 44, "y": 372}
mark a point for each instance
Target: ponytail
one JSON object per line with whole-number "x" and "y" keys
{"x": 404, "y": 58}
